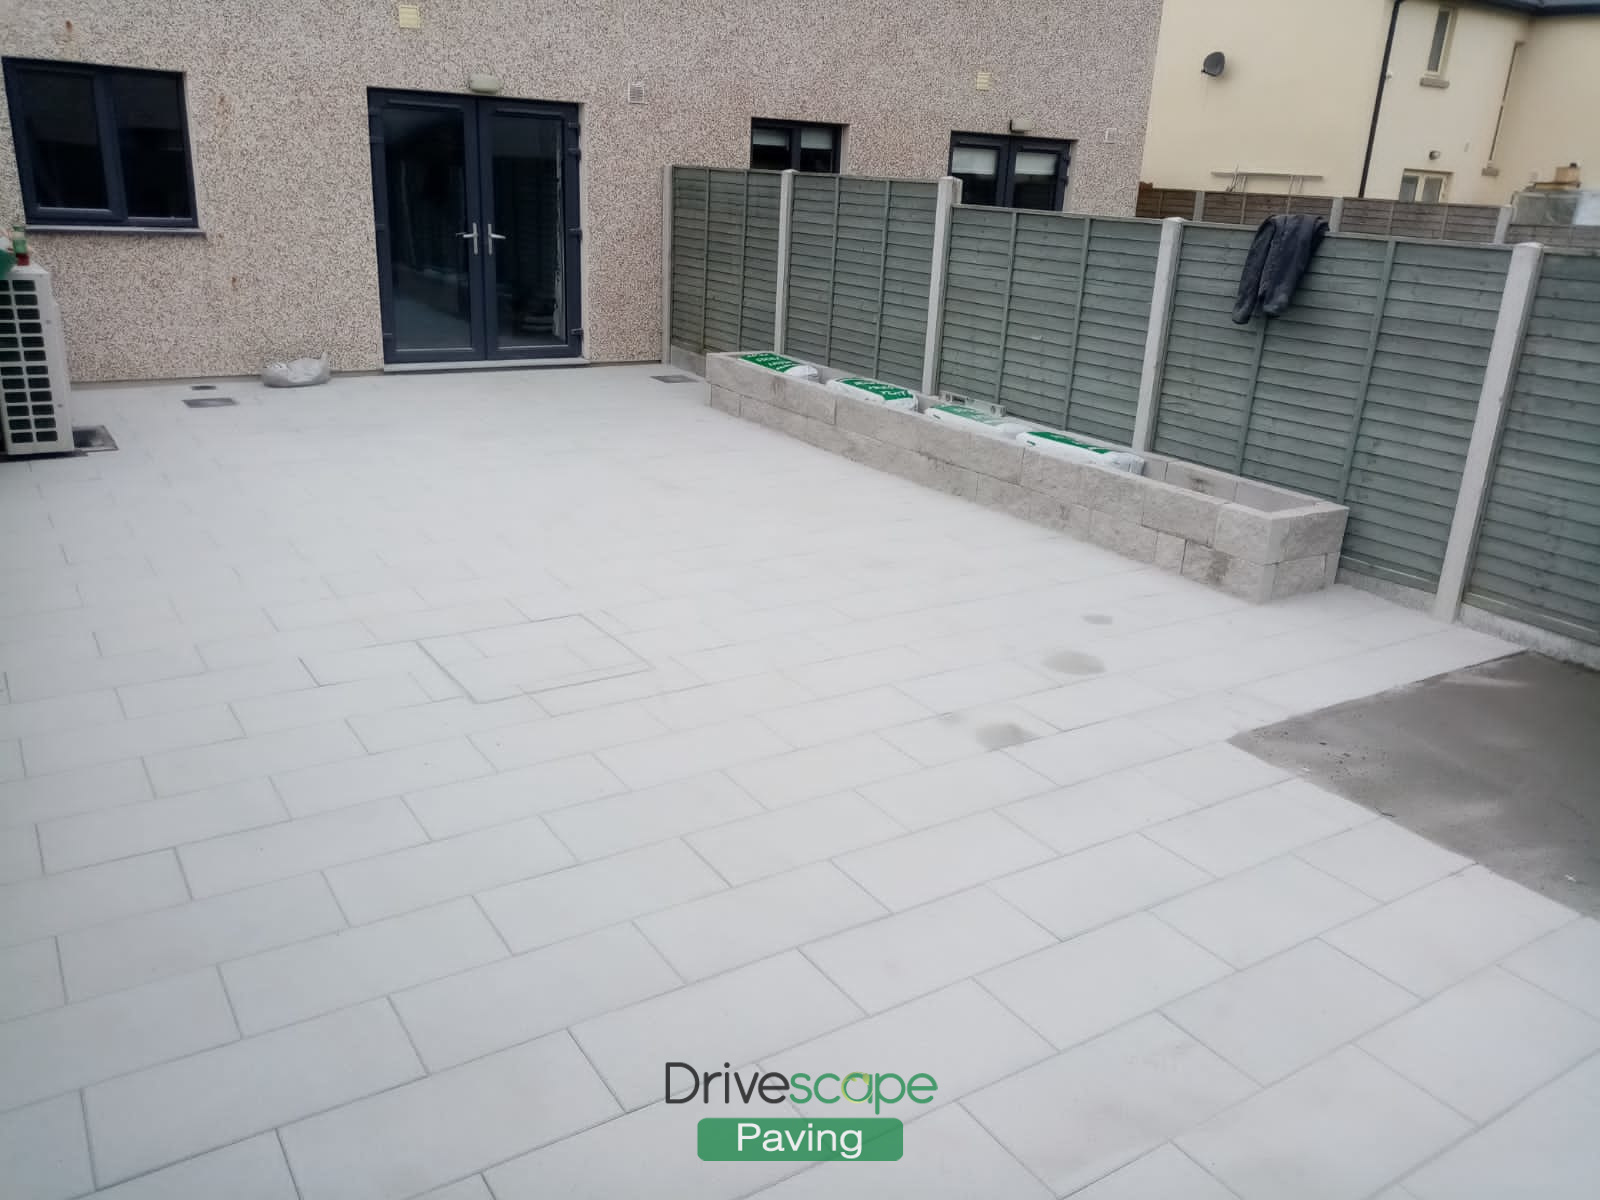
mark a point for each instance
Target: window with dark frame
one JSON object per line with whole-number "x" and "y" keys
{"x": 1010, "y": 172}
{"x": 797, "y": 145}
{"x": 101, "y": 145}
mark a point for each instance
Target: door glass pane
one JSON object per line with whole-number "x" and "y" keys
{"x": 1034, "y": 179}
{"x": 769, "y": 149}
{"x": 1408, "y": 188}
{"x": 819, "y": 150}
{"x": 60, "y": 112}
{"x": 1432, "y": 189}
{"x": 150, "y": 143}
{"x": 425, "y": 159}
{"x": 526, "y": 268}
{"x": 977, "y": 167}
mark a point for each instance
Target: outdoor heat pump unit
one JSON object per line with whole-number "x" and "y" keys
{"x": 34, "y": 390}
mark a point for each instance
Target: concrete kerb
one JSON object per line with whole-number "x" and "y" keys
{"x": 1250, "y": 539}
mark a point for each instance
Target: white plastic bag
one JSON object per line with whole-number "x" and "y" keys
{"x": 302, "y": 372}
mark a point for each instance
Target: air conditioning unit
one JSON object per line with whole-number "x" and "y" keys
{"x": 35, "y": 413}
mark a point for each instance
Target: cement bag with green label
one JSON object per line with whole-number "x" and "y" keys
{"x": 876, "y": 391}
{"x": 1060, "y": 445}
{"x": 780, "y": 364}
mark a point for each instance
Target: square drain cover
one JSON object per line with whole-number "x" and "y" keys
{"x": 209, "y": 401}
{"x": 92, "y": 438}
{"x": 673, "y": 378}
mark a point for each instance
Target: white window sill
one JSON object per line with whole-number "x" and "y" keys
{"x": 156, "y": 230}
{"x": 1434, "y": 81}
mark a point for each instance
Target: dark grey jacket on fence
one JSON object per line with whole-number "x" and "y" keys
{"x": 1278, "y": 257}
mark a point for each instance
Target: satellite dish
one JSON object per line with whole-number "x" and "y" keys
{"x": 1213, "y": 64}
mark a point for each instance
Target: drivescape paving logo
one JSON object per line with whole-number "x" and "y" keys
{"x": 856, "y": 1137}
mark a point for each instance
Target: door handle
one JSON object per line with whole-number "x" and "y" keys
{"x": 473, "y": 237}
{"x": 493, "y": 238}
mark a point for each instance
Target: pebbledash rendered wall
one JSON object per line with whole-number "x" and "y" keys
{"x": 284, "y": 262}
{"x": 1443, "y": 392}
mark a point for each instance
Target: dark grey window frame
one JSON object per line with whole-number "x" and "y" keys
{"x": 794, "y": 129}
{"x": 116, "y": 212}
{"x": 1009, "y": 146}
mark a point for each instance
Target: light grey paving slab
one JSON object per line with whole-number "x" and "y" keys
{"x": 819, "y": 721}
{"x": 319, "y": 789}
{"x": 592, "y": 895}
{"x": 1565, "y": 963}
{"x": 926, "y": 948}
{"x": 1079, "y": 754}
{"x": 253, "y": 1169}
{"x": 36, "y": 908}
{"x": 139, "y": 949}
{"x": 736, "y": 1017}
{"x": 1338, "y": 1130}
{"x": 566, "y": 735}
{"x": 44, "y": 1153}
{"x": 969, "y": 785}
{"x": 1485, "y": 1043}
{"x": 1164, "y": 1174}
{"x": 1090, "y": 701}
{"x": 1279, "y": 1015}
{"x": 971, "y": 731}
{"x": 1543, "y": 1147}
{"x": 148, "y": 825}
{"x": 1264, "y": 909}
{"x": 1441, "y": 934}
{"x": 213, "y": 687}
{"x": 733, "y": 927}
{"x": 651, "y": 1151}
{"x": 51, "y": 752}
{"x": 19, "y": 855}
{"x": 468, "y": 1189}
{"x": 63, "y": 1048}
{"x": 240, "y": 860}
{"x": 1383, "y": 859}
{"x": 494, "y": 1007}
{"x": 1086, "y": 814}
{"x": 820, "y": 770}
{"x": 338, "y": 701}
{"x": 30, "y": 979}
{"x": 688, "y": 752}
{"x": 40, "y": 681}
{"x": 1238, "y": 833}
{"x": 614, "y": 823}
{"x": 279, "y": 987}
{"x": 772, "y": 842}
{"x": 31, "y": 718}
{"x": 949, "y": 1156}
{"x": 166, "y": 1113}
{"x": 407, "y": 879}
{"x": 961, "y": 1036}
{"x": 1080, "y": 989}
{"x": 25, "y": 801}
{"x": 1076, "y": 893}
{"x": 947, "y": 858}
{"x": 856, "y": 672}
{"x": 981, "y": 683}
{"x": 511, "y": 795}
{"x": 439, "y": 720}
{"x": 176, "y": 771}
{"x": 1081, "y": 1115}
{"x": 438, "y": 1129}
{"x": 1213, "y": 772}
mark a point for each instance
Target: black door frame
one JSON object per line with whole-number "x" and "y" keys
{"x": 477, "y": 113}
{"x": 1008, "y": 146}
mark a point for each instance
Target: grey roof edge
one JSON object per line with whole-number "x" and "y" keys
{"x": 1547, "y": 8}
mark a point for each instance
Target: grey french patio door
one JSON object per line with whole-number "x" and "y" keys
{"x": 476, "y": 209}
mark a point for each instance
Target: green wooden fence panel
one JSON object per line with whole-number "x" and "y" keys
{"x": 1046, "y": 315}
{"x": 724, "y": 258}
{"x": 860, "y": 256}
{"x": 1538, "y": 553}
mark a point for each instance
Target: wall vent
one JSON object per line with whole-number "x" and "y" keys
{"x": 34, "y": 413}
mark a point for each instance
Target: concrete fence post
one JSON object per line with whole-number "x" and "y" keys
{"x": 1502, "y": 224}
{"x": 666, "y": 265}
{"x": 1509, "y": 328}
{"x": 949, "y": 196}
{"x": 780, "y": 305}
{"x": 1199, "y": 205}
{"x": 1336, "y": 214}
{"x": 1155, "y": 338}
